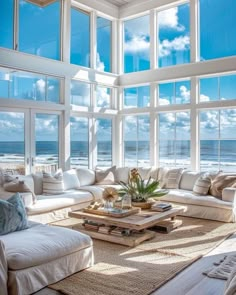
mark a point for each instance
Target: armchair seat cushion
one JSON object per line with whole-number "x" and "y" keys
{"x": 55, "y": 242}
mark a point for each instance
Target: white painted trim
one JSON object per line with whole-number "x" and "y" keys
{"x": 93, "y": 40}
{"x": 153, "y": 39}
{"x": 194, "y": 48}
{"x": 137, "y": 7}
{"x": 98, "y": 5}
{"x": 65, "y": 30}
{"x": 203, "y": 68}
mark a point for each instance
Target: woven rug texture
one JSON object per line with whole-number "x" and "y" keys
{"x": 120, "y": 270}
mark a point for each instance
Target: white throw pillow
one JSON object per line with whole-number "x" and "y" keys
{"x": 122, "y": 174}
{"x": 53, "y": 185}
{"x": 202, "y": 185}
{"x": 70, "y": 179}
{"x": 105, "y": 176}
{"x": 86, "y": 176}
{"x": 173, "y": 178}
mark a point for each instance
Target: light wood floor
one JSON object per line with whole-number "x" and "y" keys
{"x": 191, "y": 281}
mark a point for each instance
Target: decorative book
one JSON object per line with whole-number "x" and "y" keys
{"x": 161, "y": 207}
{"x": 113, "y": 212}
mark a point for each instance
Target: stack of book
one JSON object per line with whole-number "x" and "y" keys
{"x": 91, "y": 225}
{"x": 161, "y": 207}
{"x": 105, "y": 229}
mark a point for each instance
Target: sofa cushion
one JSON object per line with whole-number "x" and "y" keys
{"x": 53, "y": 185}
{"x": 162, "y": 176}
{"x": 12, "y": 215}
{"x": 173, "y": 178}
{"x": 86, "y": 176}
{"x": 44, "y": 244}
{"x": 122, "y": 174}
{"x": 202, "y": 185}
{"x": 145, "y": 172}
{"x": 187, "y": 197}
{"x": 220, "y": 182}
{"x": 70, "y": 179}
{"x": 48, "y": 203}
{"x": 188, "y": 179}
{"x": 105, "y": 176}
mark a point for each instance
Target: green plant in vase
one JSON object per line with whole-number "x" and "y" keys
{"x": 141, "y": 190}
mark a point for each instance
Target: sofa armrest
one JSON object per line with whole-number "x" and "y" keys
{"x": 3, "y": 269}
{"x": 229, "y": 194}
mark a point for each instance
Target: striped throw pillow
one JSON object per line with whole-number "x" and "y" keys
{"x": 202, "y": 185}
{"x": 53, "y": 185}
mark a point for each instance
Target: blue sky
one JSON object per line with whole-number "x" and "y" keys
{"x": 217, "y": 39}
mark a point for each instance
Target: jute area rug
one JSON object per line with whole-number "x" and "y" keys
{"x": 120, "y": 270}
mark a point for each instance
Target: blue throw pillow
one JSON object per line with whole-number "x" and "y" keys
{"x": 13, "y": 216}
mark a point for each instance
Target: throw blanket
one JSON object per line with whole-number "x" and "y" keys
{"x": 225, "y": 269}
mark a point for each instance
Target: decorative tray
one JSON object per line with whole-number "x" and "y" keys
{"x": 114, "y": 212}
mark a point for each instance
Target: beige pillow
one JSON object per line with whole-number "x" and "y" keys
{"x": 202, "y": 185}
{"x": 106, "y": 176}
{"x": 220, "y": 182}
{"x": 18, "y": 186}
{"x": 53, "y": 185}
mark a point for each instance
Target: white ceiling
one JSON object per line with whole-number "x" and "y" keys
{"x": 121, "y": 2}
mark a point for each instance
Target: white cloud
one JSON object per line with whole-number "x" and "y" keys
{"x": 103, "y": 98}
{"x": 169, "y": 18}
{"x": 204, "y": 97}
{"x": 138, "y": 44}
{"x": 100, "y": 66}
{"x": 138, "y": 26}
{"x": 178, "y": 44}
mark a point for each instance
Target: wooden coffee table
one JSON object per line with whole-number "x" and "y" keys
{"x": 138, "y": 223}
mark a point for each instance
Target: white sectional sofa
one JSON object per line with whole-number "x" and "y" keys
{"x": 49, "y": 208}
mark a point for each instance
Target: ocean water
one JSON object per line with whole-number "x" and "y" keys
{"x": 170, "y": 152}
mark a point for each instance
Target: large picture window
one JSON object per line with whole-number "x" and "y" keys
{"x": 137, "y": 44}
{"x": 174, "y": 139}
{"x": 137, "y": 141}
{"x": 103, "y": 38}
{"x": 80, "y": 38}
{"x": 173, "y": 34}
{"x": 39, "y": 29}
{"x": 218, "y": 140}
{"x": 217, "y": 29}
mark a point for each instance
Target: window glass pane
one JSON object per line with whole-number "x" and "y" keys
{"x": 12, "y": 142}
{"x": 218, "y": 139}
{"x": 137, "y": 44}
{"x": 6, "y": 23}
{"x": 137, "y": 97}
{"x": 46, "y": 142}
{"x": 53, "y": 90}
{"x": 79, "y": 136}
{"x": 173, "y": 35}
{"x": 209, "y": 89}
{"x": 137, "y": 141}
{"x": 80, "y": 93}
{"x": 27, "y": 86}
{"x": 39, "y": 29}
{"x": 209, "y": 124}
{"x": 103, "y": 97}
{"x": 227, "y": 87}
{"x": 80, "y": 38}
{"x": 104, "y": 142}
{"x": 174, "y": 93}
{"x": 4, "y": 83}
{"x": 103, "y": 38}
{"x": 217, "y": 28}
{"x": 174, "y": 139}
{"x": 30, "y": 86}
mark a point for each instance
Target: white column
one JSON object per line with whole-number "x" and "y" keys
{"x": 153, "y": 39}
{"x": 194, "y": 49}
{"x": 93, "y": 40}
{"x": 65, "y": 30}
